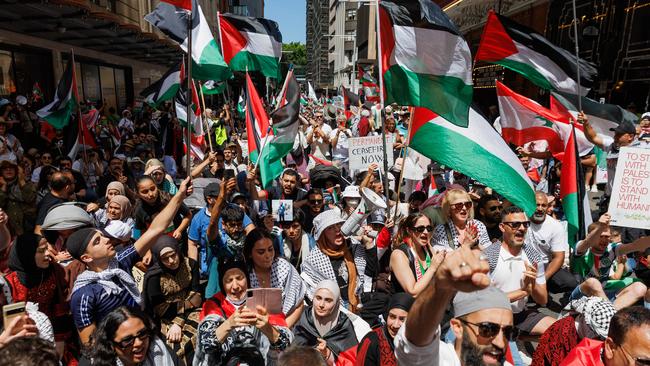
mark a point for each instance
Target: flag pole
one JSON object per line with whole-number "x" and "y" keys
{"x": 188, "y": 97}
{"x": 79, "y": 115}
{"x": 381, "y": 101}
{"x": 405, "y": 149}
{"x": 205, "y": 119}
{"x": 575, "y": 36}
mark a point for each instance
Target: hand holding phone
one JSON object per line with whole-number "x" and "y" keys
{"x": 268, "y": 298}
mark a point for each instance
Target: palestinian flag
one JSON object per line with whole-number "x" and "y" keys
{"x": 312, "y": 93}
{"x": 212, "y": 87}
{"x": 208, "y": 64}
{"x": 181, "y": 101}
{"x": 281, "y": 99}
{"x": 58, "y": 113}
{"x": 476, "y": 151}
{"x": 259, "y": 134}
{"x": 572, "y": 192}
{"x": 241, "y": 106}
{"x": 524, "y": 51}
{"x": 185, "y": 4}
{"x": 166, "y": 88}
{"x": 524, "y": 120}
{"x": 564, "y": 127}
{"x": 426, "y": 61}
{"x": 602, "y": 117}
{"x": 433, "y": 187}
{"x": 285, "y": 123}
{"x": 365, "y": 75}
{"x": 85, "y": 139}
{"x": 37, "y": 93}
{"x": 251, "y": 44}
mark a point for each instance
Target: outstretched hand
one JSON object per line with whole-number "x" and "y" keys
{"x": 464, "y": 270}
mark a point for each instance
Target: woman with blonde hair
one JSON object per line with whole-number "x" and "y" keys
{"x": 460, "y": 227}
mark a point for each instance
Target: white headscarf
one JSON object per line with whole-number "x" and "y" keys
{"x": 326, "y": 323}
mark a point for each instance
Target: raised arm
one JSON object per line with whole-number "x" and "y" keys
{"x": 590, "y": 133}
{"x": 594, "y": 236}
{"x": 198, "y": 170}
{"x": 213, "y": 227}
{"x": 163, "y": 219}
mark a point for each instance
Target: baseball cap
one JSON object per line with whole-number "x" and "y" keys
{"x": 624, "y": 127}
{"x": 211, "y": 190}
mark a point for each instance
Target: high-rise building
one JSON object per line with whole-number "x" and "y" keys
{"x": 318, "y": 67}
{"x": 342, "y": 40}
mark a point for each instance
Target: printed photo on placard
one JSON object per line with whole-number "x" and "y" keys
{"x": 282, "y": 210}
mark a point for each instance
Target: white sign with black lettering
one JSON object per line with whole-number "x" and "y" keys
{"x": 368, "y": 150}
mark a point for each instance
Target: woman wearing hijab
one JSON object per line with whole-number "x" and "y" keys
{"x": 36, "y": 278}
{"x": 325, "y": 327}
{"x": 156, "y": 170}
{"x": 172, "y": 296}
{"x": 347, "y": 262}
{"x": 100, "y": 211}
{"x": 230, "y": 333}
{"x": 377, "y": 347}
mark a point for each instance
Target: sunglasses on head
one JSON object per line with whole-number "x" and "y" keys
{"x": 517, "y": 224}
{"x": 420, "y": 229}
{"x": 459, "y": 206}
{"x": 491, "y": 330}
{"x": 129, "y": 340}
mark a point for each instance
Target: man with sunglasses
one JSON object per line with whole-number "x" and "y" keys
{"x": 627, "y": 343}
{"x": 489, "y": 208}
{"x": 315, "y": 205}
{"x": 517, "y": 268}
{"x": 483, "y": 322}
{"x": 549, "y": 237}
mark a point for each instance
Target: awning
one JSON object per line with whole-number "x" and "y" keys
{"x": 83, "y": 24}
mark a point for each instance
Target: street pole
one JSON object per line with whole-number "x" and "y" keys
{"x": 381, "y": 111}
{"x": 188, "y": 97}
{"x": 575, "y": 35}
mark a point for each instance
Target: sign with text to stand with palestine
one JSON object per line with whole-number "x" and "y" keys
{"x": 630, "y": 201}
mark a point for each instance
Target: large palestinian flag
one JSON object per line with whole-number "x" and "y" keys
{"x": 165, "y": 89}
{"x": 476, "y": 151}
{"x": 171, "y": 20}
{"x": 58, "y": 113}
{"x": 285, "y": 123}
{"x": 573, "y": 194}
{"x": 426, "y": 62}
{"x": 253, "y": 44}
{"x": 524, "y": 51}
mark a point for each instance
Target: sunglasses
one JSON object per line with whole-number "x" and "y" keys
{"x": 128, "y": 341}
{"x": 491, "y": 330}
{"x": 420, "y": 229}
{"x": 459, "y": 206}
{"x": 315, "y": 202}
{"x": 517, "y": 224}
{"x": 495, "y": 208}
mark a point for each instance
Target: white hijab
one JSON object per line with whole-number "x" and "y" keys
{"x": 326, "y": 323}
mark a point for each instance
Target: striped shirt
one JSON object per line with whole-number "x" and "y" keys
{"x": 90, "y": 304}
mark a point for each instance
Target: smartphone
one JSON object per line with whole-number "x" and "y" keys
{"x": 269, "y": 298}
{"x": 228, "y": 174}
{"x": 11, "y": 311}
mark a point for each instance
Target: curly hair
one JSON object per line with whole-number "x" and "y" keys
{"x": 101, "y": 349}
{"x": 405, "y": 225}
{"x": 27, "y": 351}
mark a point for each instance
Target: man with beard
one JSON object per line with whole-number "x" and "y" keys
{"x": 288, "y": 189}
{"x": 314, "y": 207}
{"x": 517, "y": 269}
{"x": 490, "y": 208}
{"x": 548, "y": 236}
{"x": 115, "y": 172}
{"x": 483, "y": 322}
{"x": 61, "y": 190}
{"x": 377, "y": 347}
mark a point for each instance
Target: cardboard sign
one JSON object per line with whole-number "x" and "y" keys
{"x": 364, "y": 151}
{"x": 629, "y": 204}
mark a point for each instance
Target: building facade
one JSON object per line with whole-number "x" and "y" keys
{"x": 318, "y": 69}
{"x": 342, "y": 43}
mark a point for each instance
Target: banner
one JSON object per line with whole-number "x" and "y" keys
{"x": 364, "y": 151}
{"x": 630, "y": 201}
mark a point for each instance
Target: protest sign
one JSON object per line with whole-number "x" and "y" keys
{"x": 630, "y": 201}
{"x": 364, "y": 151}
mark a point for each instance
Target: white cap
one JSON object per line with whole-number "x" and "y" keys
{"x": 119, "y": 230}
{"x": 325, "y": 220}
{"x": 351, "y": 192}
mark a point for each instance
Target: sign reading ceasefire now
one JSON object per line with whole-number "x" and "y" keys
{"x": 630, "y": 201}
{"x": 364, "y": 151}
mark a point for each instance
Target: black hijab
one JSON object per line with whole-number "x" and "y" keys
{"x": 157, "y": 268}
{"x": 339, "y": 339}
{"x": 22, "y": 260}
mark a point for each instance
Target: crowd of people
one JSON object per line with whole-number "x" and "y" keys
{"x": 123, "y": 255}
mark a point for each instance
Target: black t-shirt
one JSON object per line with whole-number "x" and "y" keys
{"x": 343, "y": 282}
{"x": 48, "y": 201}
{"x": 79, "y": 181}
{"x": 494, "y": 232}
{"x": 276, "y": 193}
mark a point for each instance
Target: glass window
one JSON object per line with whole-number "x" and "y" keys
{"x": 79, "y": 77}
{"x": 120, "y": 86}
{"x": 7, "y": 84}
{"x": 90, "y": 79}
{"x": 108, "y": 86}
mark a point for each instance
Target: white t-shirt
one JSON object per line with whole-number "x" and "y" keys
{"x": 547, "y": 237}
{"x": 438, "y": 353}
{"x": 509, "y": 275}
{"x": 319, "y": 147}
{"x": 340, "y": 151}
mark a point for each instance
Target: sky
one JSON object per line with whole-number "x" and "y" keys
{"x": 290, "y": 15}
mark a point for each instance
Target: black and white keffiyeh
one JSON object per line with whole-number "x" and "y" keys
{"x": 286, "y": 277}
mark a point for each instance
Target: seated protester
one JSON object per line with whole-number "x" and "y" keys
{"x": 414, "y": 262}
{"x": 100, "y": 210}
{"x": 61, "y": 190}
{"x": 458, "y": 211}
{"x": 588, "y": 317}
{"x": 107, "y": 283}
{"x": 266, "y": 269}
{"x": 549, "y": 237}
{"x": 325, "y": 327}
{"x": 230, "y": 333}
{"x": 28, "y": 351}
{"x": 597, "y": 244}
{"x": 627, "y": 343}
{"x": 315, "y": 205}
{"x": 151, "y": 200}
{"x": 517, "y": 269}
{"x": 345, "y": 261}
{"x": 126, "y": 336}
{"x": 226, "y": 233}
{"x": 156, "y": 170}
{"x": 288, "y": 189}
{"x": 35, "y": 278}
{"x": 172, "y": 296}
{"x": 489, "y": 207}
{"x": 296, "y": 243}
{"x": 377, "y": 347}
